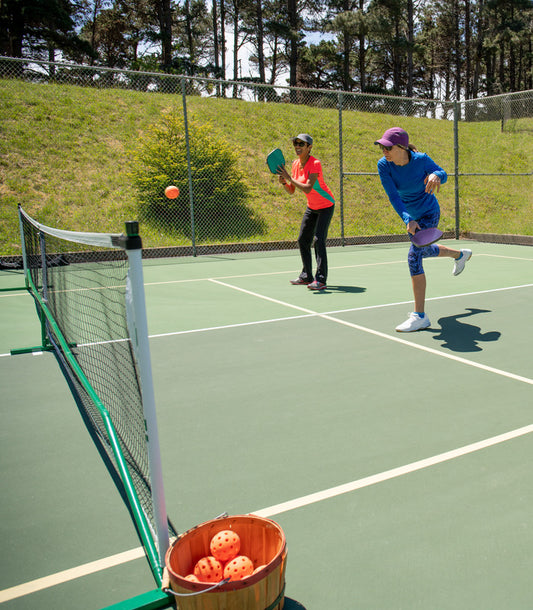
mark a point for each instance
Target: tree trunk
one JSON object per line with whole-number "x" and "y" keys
{"x": 457, "y": 44}
{"x": 164, "y": 13}
{"x": 479, "y": 48}
{"x": 260, "y": 42}
{"x": 235, "y": 46}
{"x": 223, "y": 43}
{"x": 215, "y": 46}
{"x": 293, "y": 50}
{"x": 188, "y": 30}
{"x": 410, "y": 44}
{"x": 468, "y": 67}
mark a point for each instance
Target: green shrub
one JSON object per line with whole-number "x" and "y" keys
{"x": 160, "y": 159}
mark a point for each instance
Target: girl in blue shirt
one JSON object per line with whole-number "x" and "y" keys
{"x": 411, "y": 180}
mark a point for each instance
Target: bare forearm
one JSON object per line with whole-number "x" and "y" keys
{"x": 306, "y": 187}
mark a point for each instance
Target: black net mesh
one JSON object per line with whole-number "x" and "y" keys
{"x": 84, "y": 287}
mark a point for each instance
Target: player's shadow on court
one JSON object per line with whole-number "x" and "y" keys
{"x": 347, "y": 289}
{"x": 459, "y": 336}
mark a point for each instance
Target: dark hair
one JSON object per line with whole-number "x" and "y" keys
{"x": 413, "y": 148}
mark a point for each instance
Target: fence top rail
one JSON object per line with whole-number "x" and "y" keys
{"x": 213, "y": 81}
{"x": 525, "y": 92}
{"x": 42, "y": 62}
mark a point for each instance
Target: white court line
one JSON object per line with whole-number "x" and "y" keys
{"x": 264, "y": 297}
{"x": 7, "y": 295}
{"x": 24, "y": 292}
{"x": 516, "y": 258}
{"x": 446, "y": 296}
{"x": 67, "y": 575}
{"x": 355, "y": 266}
{"x": 390, "y": 474}
{"x": 312, "y": 314}
{"x": 387, "y": 475}
{"x": 377, "y": 333}
{"x": 266, "y": 273}
{"x": 225, "y": 326}
{"x": 316, "y": 314}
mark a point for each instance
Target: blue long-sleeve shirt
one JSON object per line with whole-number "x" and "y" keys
{"x": 404, "y": 185}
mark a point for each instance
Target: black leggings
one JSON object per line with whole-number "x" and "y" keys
{"x": 315, "y": 225}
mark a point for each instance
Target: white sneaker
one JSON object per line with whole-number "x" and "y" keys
{"x": 413, "y": 322}
{"x": 461, "y": 262}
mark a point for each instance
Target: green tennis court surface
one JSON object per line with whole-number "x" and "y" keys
{"x": 398, "y": 465}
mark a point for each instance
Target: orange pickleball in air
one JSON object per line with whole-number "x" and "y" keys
{"x": 172, "y": 192}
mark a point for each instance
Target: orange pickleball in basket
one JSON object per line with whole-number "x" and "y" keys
{"x": 208, "y": 569}
{"x": 238, "y": 568}
{"x": 225, "y": 545}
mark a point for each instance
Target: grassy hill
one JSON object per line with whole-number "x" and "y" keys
{"x": 66, "y": 155}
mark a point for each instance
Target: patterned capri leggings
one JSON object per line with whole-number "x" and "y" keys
{"x": 415, "y": 256}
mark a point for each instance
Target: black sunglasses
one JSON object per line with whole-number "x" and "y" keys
{"x": 298, "y": 143}
{"x": 385, "y": 147}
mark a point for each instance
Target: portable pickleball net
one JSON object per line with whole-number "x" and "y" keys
{"x": 89, "y": 294}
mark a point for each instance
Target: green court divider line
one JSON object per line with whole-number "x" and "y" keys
{"x": 138, "y": 514}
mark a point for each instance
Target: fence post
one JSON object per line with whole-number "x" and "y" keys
{"x": 189, "y": 172}
{"x": 341, "y": 171}
{"x": 456, "y": 163}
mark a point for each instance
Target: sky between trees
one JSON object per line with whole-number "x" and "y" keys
{"x": 438, "y": 49}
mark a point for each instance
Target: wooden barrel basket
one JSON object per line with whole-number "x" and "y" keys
{"x": 262, "y": 540}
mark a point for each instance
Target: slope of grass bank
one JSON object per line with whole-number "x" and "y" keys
{"x": 66, "y": 153}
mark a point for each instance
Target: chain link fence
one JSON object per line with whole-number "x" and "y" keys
{"x": 494, "y": 191}
{"x": 87, "y": 148}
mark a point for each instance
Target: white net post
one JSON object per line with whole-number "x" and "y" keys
{"x": 138, "y": 328}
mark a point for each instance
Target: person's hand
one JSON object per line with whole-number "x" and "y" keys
{"x": 283, "y": 174}
{"x": 432, "y": 183}
{"x": 412, "y": 227}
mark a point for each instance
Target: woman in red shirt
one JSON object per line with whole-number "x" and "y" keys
{"x": 306, "y": 175}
